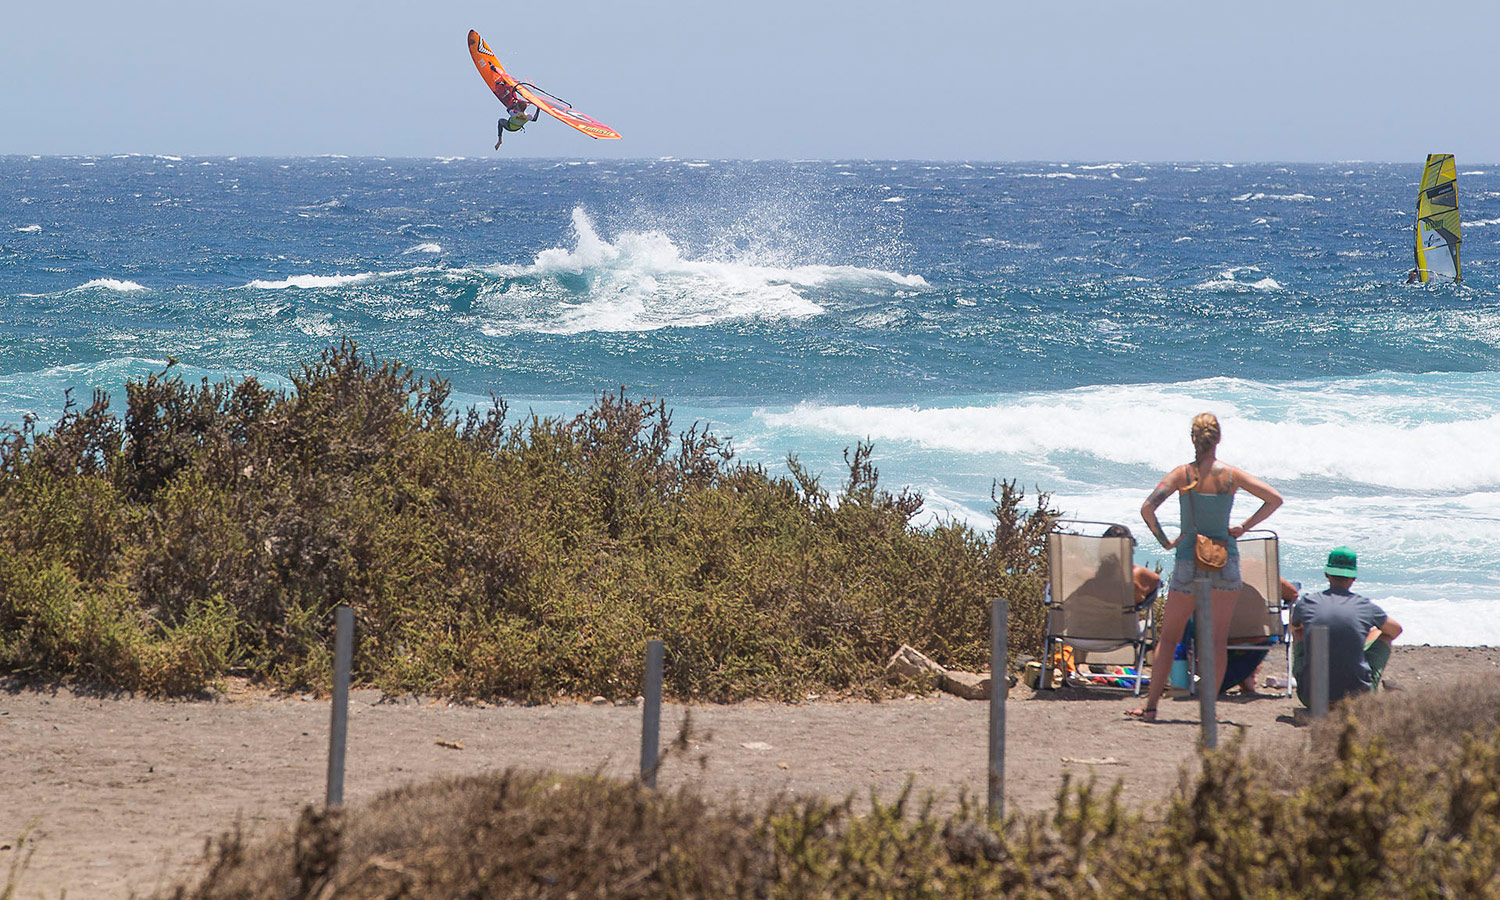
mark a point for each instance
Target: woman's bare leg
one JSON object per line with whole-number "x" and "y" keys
{"x": 1223, "y": 602}
{"x": 1173, "y": 622}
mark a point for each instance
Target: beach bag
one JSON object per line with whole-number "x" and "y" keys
{"x": 1210, "y": 553}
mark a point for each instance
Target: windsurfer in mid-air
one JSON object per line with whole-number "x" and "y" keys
{"x": 515, "y": 104}
{"x": 518, "y": 119}
{"x": 518, "y": 96}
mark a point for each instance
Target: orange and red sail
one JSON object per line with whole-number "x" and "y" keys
{"x": 506, "y": 89}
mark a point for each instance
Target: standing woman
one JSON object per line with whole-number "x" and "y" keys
{"x": 1205, "y": 489}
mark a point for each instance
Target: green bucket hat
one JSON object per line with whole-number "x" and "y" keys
{"x": 1343, "y": 562}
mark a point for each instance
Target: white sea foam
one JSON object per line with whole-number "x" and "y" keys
{"x": 1293, "y": 198}
{"x": 27, "y": 229}
{"x": 1404, "y": 432}
{"x": 1442, "y": 622}
{"x": 641, "y": 282}
{"x": 426, "y": 248}
{"x": 314, "y": 281}
{"x": 336, "y": 281}
{"x": 1481, "y": 223}
{"x": 110, "y": 284}
{"x": 1229, "y": 281}
{"x": 319, "y": 325}
{"x": 938, "y": 508}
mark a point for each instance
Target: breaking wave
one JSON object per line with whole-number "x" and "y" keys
{"x": 641, "y": 281}
{"x": 1403, "y": 432}
{"x": 110, "y": 284}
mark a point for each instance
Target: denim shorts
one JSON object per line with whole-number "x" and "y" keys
{"x": 1186, "y": 574}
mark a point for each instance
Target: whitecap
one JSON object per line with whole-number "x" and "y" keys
{"x": 110, "y": 284}
{"x": 1291, "y": 198}
{"x": 313, "y": 281}
{"x": 1228, "y": 281}
{"x": 27, "y": 229}
{"x": 426, "y": 248}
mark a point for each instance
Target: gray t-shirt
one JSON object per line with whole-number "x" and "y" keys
{"x": 1349, "y": 618}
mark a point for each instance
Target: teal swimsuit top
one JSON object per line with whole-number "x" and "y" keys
{"x": 1210, "y": 515}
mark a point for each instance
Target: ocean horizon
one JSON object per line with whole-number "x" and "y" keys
{"x": 1055, "y": 324}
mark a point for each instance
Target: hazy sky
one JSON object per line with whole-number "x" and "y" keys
{"x": 1252, "y": 80}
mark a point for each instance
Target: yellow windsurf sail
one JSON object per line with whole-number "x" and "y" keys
{"x": 1437, "y": 219}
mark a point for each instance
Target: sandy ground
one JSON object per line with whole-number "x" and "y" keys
{"x": 121, "y": 792}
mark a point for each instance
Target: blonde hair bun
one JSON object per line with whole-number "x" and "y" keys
{"x": 1205, "y": 432}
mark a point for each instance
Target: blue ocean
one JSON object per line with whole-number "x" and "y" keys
{"x": 1056, "y": 324}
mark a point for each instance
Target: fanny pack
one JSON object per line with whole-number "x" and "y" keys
{"x": 1210, "y": 553}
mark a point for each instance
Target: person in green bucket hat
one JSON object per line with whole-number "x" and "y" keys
{"x": 1359, "y": 632}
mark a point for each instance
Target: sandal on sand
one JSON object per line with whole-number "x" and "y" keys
{"x": 1145, "y": 713}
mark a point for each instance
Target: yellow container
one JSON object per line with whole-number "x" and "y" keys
{"x": 1033, "y": 675}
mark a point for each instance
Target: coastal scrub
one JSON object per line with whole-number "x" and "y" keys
{"x": 214, "y": 530}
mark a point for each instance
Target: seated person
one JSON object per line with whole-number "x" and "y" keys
{"x": 1146, "y": 581}
{"x": 1359, "y": 633}
{"x": 1243, "y": 668}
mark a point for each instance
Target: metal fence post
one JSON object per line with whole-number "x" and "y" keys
{"x": 999, "y": 688}
{"x": 343, "y": 651}
{"x": 651, "y": 714}
{"x": 1317, "y": 669}
{"x": 1208, "y": 679}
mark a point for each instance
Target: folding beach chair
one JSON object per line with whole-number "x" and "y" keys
{"x": 1091, "y": 605}
{"x": 1260, "y": 619}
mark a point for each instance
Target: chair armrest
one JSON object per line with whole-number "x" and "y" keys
{"x": 1150, "y": 599}
{"x": 1047, "y": 596}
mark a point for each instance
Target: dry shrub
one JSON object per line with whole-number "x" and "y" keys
{"x": 1425, "y": 725}
{"x": 508, "y": 835}
{"x": 1366, "y": 825}
{"x": 220, "y": 524}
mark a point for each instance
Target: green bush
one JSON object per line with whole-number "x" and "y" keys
{"x": 216, "y": 528}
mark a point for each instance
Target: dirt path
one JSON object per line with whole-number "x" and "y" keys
{"x": 124, "y": 791}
